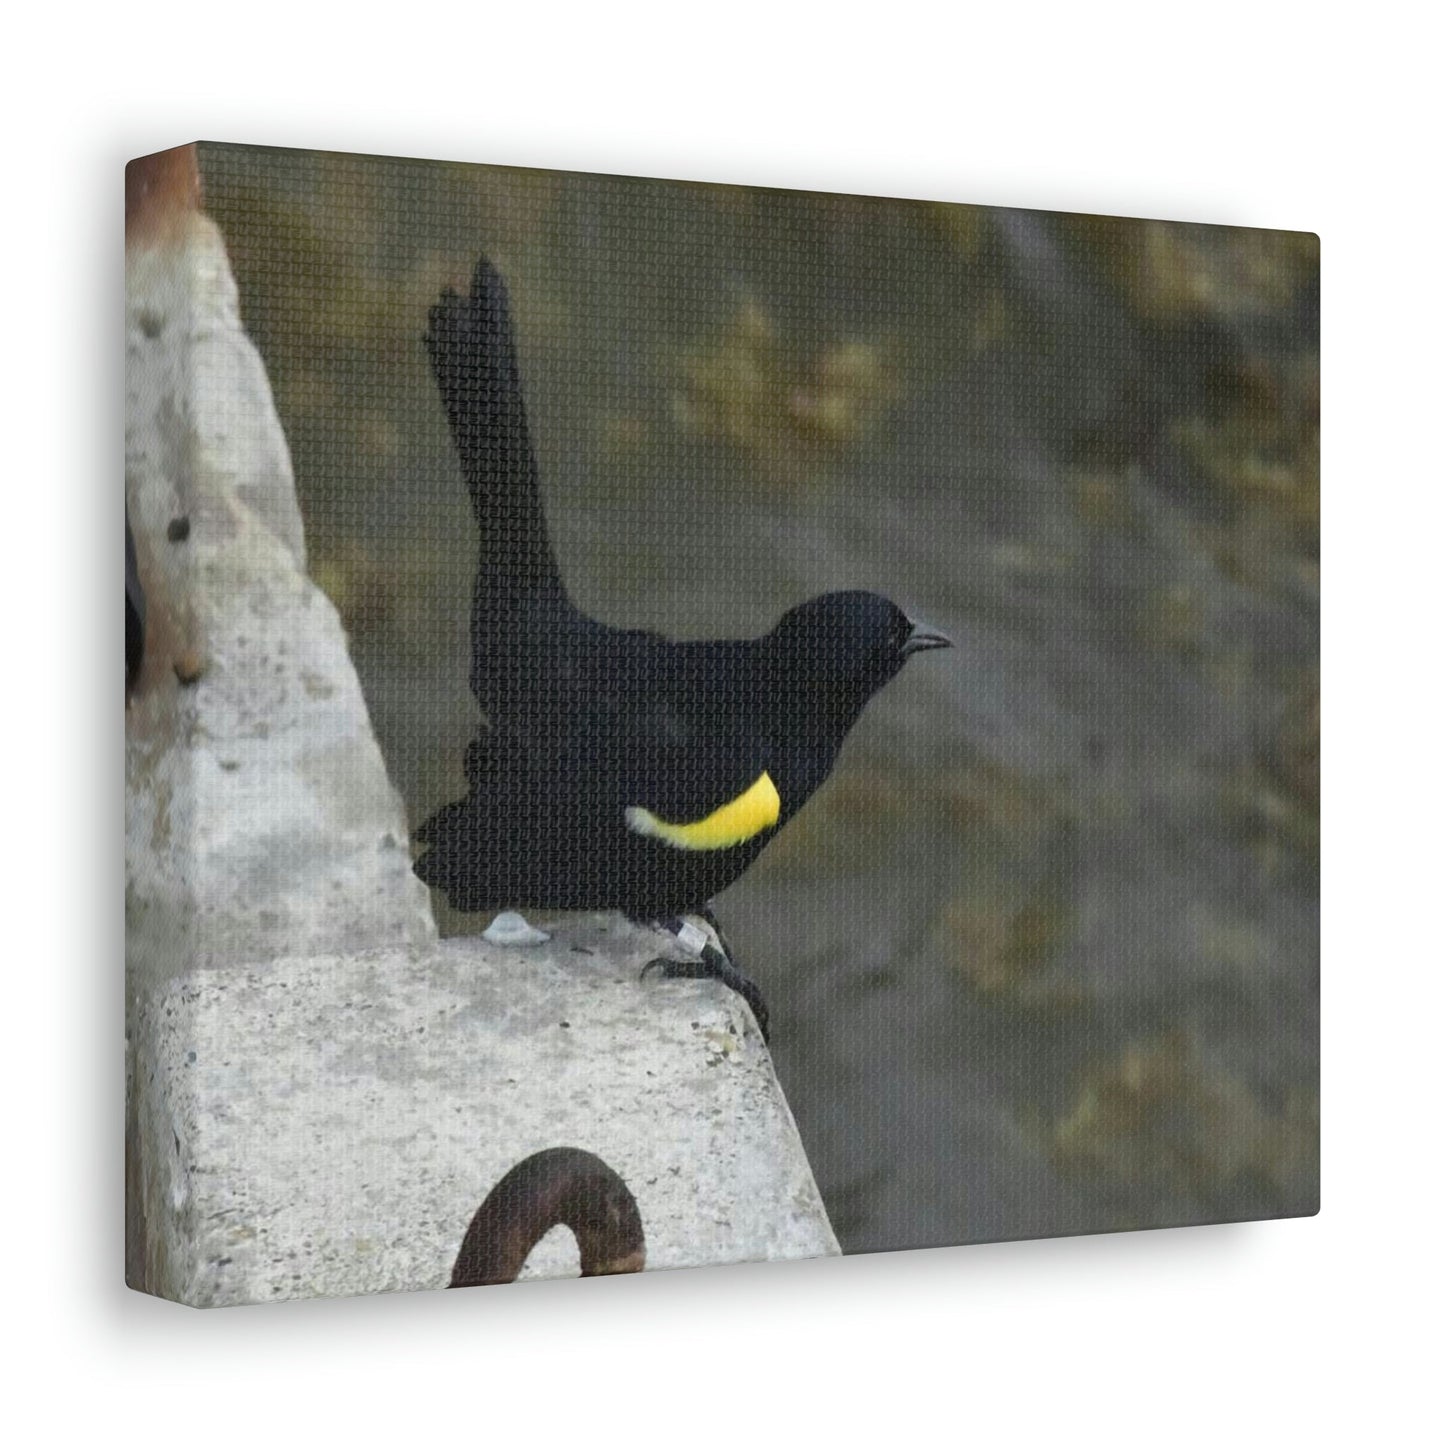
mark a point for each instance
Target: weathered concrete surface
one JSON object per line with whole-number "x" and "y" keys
{"x": 259, "y": 816}
{"x": 330, "y": 1124}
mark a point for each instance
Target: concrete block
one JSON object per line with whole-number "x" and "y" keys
{"x": 327, "y": 1126}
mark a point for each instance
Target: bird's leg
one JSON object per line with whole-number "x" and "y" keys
{"x": 710, "y": 960}
{"x": 724, "y": 950}
{"x": 710, "y": 918}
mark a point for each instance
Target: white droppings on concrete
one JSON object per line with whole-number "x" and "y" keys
{"x": 511, "y": 930}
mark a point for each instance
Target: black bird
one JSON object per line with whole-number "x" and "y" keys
{"x": 616, "y": 769}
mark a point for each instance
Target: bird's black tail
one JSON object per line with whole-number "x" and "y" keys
{"x": 474, "y": 359}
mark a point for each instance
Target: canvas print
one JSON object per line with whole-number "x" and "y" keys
{"x": 675, "y": 724}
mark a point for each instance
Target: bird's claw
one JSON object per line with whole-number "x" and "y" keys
{"x": 713, "y": 963}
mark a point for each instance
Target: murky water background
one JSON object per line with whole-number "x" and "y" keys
{"x": 1042, "y": 955}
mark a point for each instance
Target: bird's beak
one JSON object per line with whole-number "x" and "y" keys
{"x": 923, "y": 637}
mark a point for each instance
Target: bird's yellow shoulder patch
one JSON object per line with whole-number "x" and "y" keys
{"x": 735, "y": 822}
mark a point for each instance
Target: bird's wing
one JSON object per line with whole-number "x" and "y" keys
{"x": 681, "y": 740}
{"x": 606, "y": 760}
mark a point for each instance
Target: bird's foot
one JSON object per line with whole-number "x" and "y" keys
{"x": 708, "y": 960}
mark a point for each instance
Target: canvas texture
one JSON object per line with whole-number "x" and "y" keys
{"x": 673, "y": 724}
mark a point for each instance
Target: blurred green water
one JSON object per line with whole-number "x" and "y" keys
{"x": 1043, "y": 954}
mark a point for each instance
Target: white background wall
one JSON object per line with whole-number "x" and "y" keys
{"x": 1250, "y": 113}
